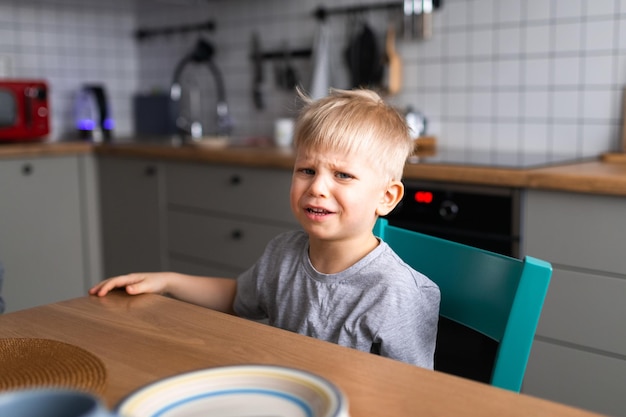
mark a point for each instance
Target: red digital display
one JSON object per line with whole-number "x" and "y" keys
{"x": 423, "y": 197}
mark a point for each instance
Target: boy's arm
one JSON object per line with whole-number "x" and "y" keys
{"x": 212, "y": 292}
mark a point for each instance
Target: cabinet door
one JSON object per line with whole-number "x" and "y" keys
{"x": 41, "y": 242}
{"x": 579, "y": 352}
{"x": 581, "y": 378}
{"x": 230, "y": 244}
{"x": 220, "y": 217}
{"x": 131, "y": 207}
{"x": 255, "y": 193}
{"x": 580, "y": 230}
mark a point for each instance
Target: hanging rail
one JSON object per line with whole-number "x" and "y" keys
{"x": 322, "y": 12}
{"x": 289, "y": 53}
{"x": 142, "y": 34}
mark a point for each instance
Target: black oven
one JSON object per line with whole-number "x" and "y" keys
{"x": 480, "y": 216}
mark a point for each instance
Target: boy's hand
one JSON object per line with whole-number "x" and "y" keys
{"x": 136, "y": 283}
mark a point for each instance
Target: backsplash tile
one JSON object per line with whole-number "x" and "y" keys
{"x": 69, "y": 43}
{"x": 529, "y": 76}
{"x": 569, "y": 8}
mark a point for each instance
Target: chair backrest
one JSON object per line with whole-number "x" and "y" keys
{"x": 495, "y": 295}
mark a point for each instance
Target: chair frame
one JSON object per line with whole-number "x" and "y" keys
{"x": 510, "y": 320}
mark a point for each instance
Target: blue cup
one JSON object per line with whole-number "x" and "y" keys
{"x": 51, "y": 403}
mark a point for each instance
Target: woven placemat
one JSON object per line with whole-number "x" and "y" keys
{"x": 34, "y": 363}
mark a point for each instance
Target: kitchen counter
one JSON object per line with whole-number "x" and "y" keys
{"x": 604, "y": 176}
{"x": 261, "y": 156}
{"x": 596, "y": 177}
{"x": 607, "y": 175}
{"x": 24, "y": 150}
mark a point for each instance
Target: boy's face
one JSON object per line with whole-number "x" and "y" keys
{"x": 336, "y": 197}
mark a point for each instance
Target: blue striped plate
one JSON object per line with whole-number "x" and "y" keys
{"x": 238, "y": 391}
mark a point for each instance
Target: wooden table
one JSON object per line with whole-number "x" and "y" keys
{"x": 144, "y": 338}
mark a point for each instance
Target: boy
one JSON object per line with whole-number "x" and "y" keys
{"x": 333, "y": 280}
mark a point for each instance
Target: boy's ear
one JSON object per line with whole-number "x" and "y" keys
{"x": 391, "y": 198}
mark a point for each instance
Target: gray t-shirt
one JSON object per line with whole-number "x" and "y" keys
{"x": 379, "y": 304}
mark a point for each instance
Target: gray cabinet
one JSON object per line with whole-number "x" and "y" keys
{"x": 132, "y": 213}
{"x": 49, "y": 242}
{"x": 579, "y": 354}
{"x": 220, "y": 217}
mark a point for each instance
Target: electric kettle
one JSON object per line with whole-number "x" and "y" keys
{"x": 93, "y": 114}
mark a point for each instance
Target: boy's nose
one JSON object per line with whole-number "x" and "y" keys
{"x": 318, "y": 186}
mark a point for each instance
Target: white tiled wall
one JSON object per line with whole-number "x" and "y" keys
{"x": 530, "y": 76}
{"x": 69, "y": 43}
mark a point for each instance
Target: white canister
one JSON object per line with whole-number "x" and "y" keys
{"x": 283, "y": 132}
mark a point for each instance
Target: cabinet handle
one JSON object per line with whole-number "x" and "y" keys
{"x": 235, "y": 180}
{"x": 27, "y": 169}
{"x": 150, "y": 171}
{"x": 236, "y": 234}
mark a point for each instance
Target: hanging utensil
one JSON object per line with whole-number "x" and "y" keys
{"x": 425, "y": 19}
{"x": 257, "y": 78}
{"x": 285, "y": 73}
{"x": 394, "y": 63}
{"x": 364, "y": 59}
{"x": 320, "y": 80}
{"x": 417, "y": 18}
{"x": 290, "y": 75}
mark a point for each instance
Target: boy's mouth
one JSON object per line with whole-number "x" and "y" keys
{"x": 317, "y": 211}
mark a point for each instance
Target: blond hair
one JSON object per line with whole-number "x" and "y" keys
{"x": 356, "y": 121}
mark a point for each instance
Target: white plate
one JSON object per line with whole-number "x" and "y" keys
{"x": 238, "y": 391}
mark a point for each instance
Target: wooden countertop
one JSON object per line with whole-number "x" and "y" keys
{"x": 607, "y": 175}
{"x": 263, "y": 156}
{"x": 141, "y": 339}
{"x": 591, "y": 177}
{"x": 25, "y": 150}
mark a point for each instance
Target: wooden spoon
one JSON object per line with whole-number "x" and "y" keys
{"x": 394, "y": 70}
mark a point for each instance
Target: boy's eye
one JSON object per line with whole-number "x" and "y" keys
{"x": 307, "y": 171}
{"x": 344, "y": 176}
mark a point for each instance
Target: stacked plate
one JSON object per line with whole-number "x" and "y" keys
{"x": 238, "y": 391}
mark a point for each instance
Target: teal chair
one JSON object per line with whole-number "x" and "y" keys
{"x": 490, "y": 304}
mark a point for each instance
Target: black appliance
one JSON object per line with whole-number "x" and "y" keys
{"x": 479, "y": 216}
{"x": 153, "y": 116}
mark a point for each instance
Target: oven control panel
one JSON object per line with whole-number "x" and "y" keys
{"x": 480, "y": 216}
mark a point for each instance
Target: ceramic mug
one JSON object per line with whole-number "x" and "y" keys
{"x": 51, "y": 403}
{"x": 283, "y": 132}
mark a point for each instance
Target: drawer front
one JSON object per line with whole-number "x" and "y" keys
{"x": 256, "y": 193}
{"x": 578, "y": 378}
{"x": 223, "y": 241}
{"x": 587, "y": 231}
{"x": 585, "y": 309}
